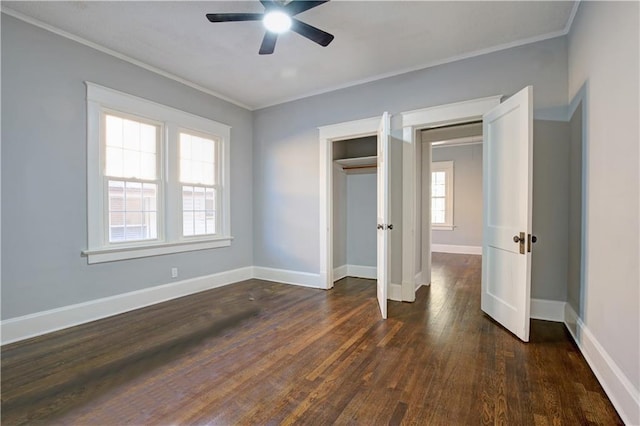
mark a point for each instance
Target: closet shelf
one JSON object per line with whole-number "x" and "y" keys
{"x": 355, "y": 163}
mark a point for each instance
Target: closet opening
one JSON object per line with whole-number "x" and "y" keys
{"x": 354, "y": 203}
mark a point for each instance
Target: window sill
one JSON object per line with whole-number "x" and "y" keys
{"x": 123, "y": 253}
{"x": 442, "y": 227}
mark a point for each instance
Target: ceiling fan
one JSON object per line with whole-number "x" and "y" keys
{"x": 278, "y": 17}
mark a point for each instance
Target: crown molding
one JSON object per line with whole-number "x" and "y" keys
{"x": 121, "y": 56}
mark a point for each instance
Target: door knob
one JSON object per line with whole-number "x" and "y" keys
{"x": 517, "y": 239}
{"x": 380, "y": 226}
{"x": 534, "y": 238}
{"x": 390, "y": 226}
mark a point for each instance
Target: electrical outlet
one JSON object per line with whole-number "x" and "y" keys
{"x": 174, "y": 272}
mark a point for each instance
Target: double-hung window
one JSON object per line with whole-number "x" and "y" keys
{"x": 158, "y": 178}
{"x": 198, "y": 177}
{"x": 442, "y": 195}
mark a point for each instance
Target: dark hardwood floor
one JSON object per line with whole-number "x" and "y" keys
{"x": 262, "y": 353}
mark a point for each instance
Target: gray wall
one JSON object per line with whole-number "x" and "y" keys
{"x": 549, "y": 256}
{"x": 361, "y": 219}
{"x": 339, "y": 216}
{"x": 289, "y": 131}
{"x": 575, "y": 212}
{"x": 44, "y": 203}
{"x": 467, "y": 195}
{"x": 604, "y": 64}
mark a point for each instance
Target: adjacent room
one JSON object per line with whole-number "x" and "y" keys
{"x": 320, "y": 212}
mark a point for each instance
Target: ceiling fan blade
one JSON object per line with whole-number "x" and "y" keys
{"x": 299, "y": 6}
{"x": 268, "y": 43}
{"x": 234, "y": 17}
{"x": 312, "y": 33}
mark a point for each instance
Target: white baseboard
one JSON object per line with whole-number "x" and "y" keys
{"x": 39, "y": 323}
{"x": 420, "y": 281}
{"x": 548, "y": 310}
{"x": 450, "y": 248}
{"x": 370, "y": 272}
{"x": 395, "y": 292}
{"x": 339, "y": 273}
{"x": 623, "y": 395}
{"x": 304, "y": 279}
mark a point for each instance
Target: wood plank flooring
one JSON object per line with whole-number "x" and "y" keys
{"x": 263, "y": 353}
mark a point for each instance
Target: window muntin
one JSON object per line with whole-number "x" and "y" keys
{"x": 442, "y": 195}
{"x": 136, "y": 196}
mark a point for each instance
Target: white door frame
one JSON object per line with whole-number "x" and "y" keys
{"x": 328, "y": 135}
{"x": 412, "y": 123}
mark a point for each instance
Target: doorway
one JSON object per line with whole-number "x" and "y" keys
{"x": 453, "y": 191}
{"x": 416, "y": 239}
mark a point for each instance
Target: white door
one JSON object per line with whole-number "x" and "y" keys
{"x": 507, "y": 181}
{"x": 383, "y": 211}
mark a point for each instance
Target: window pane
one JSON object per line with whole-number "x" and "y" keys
{"x": 211, "y": 222}
{"x": 148, "y": 138}
{"x": 132, "y": 211}
{"x": 131, "y": 133}
{"x": 187, "y": 198}
{"x": 200, "y": 224}
{"x": 114, "y": 163}
{"x": 132, "y": 164}
{"x": 197, "y": 159}
{"x": 187, "y": 223}
{"x": 198, "y": 212}
{"x": 437, "y": 217}
{"x": 147, "y": 166}
{"x": 130, "y": 148}
{"x": 437, "y": 190}
{"x": 151, "y": 225}
{"x": 185, "y": 146}
{"x": 437, "y": 204}
{"x": 198, "y": 198}
{"x": 113, "y": 131}
{"x": 209, "y": 201}
{"x": 150, "y": 196}
{"x": 116, "y": 196}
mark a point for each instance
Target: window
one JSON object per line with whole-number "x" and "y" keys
{"x": 158, "y": 178}
{"x": 131, "y": 177}
{"x": 198, "y": 169}
{"x": 442, "y": 195}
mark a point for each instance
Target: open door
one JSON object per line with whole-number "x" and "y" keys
{"x": 507, "y": 193}
{"x": 383, "y": 212}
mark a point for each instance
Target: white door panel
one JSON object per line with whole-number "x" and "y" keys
{"x": 384, "y": 132}
{"x": 507, "y": 193}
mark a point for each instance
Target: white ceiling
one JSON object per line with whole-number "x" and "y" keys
{"x": 373, "y": 39}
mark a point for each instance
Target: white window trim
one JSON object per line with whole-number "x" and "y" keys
{"x": 170, "y": 239}
{"x": 447, "y": 167}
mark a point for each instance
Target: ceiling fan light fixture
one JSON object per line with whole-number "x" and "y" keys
{"x": 277, "y": 21}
